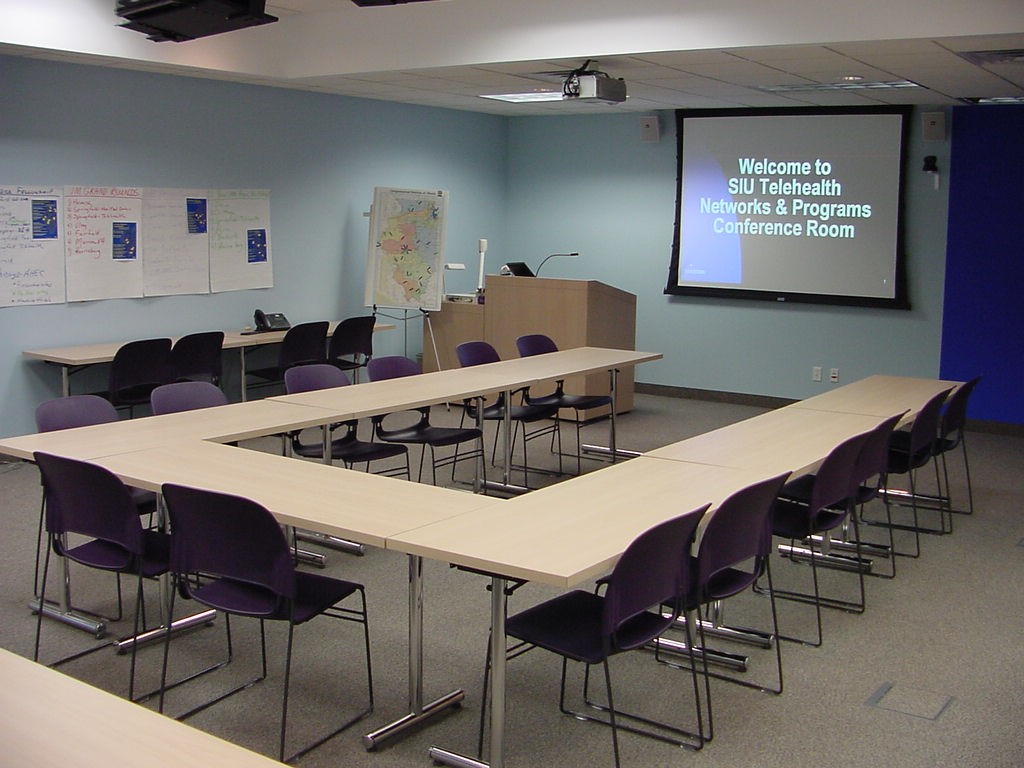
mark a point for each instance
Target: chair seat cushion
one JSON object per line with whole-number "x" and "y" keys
{"x": 578, "y": 402}
{"x": 793, "y": 521}
{"x": 108, "y": 556}
{"x": 436, "y": 436}
{"x": 571, "y": 625}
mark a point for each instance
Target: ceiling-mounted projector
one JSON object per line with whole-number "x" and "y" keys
{"x": 180, "y": 20}
{"x": 594, "y": 86}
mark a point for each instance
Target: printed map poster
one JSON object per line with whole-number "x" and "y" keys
{"x": 406, "y": 253}
{"x": 31, "y": 245}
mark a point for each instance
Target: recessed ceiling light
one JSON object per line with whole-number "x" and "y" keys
{"x": 995, "y": 100}
{"x": 851, "y": 78}
{"x": 523, "y": 98}
{"x": 844, "y": 86}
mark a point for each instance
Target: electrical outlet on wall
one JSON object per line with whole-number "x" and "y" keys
{"x": 833, "y": 375}
{"x": 816, "y": 373}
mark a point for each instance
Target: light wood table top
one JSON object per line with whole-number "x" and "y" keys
{"x": 225, "y": 423}
{"x": 103, "y": 352}
{"x": 878, "y": 395}
{"x": 350, "y": 504}
{"x": 97, "y": 729}
{"x": 575, "y": 530}
{"x": 788, "y": 439}
{"x": 372, "y": 398}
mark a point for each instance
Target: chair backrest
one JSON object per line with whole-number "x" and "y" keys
{"x": 833, "y": 479}
{"x": 89, "y": 500}
{"x": 304, "y": 343}
{"x": 353, "y": 336}
{"x": 873, "y": 460}
{"x": 306, "y": 378}
{"x": 739, "y": 530}
{"x": 535, "y": 344}
{"x": 954, "y": 415}
{"x": 391, "y": 367}
{"x": 228, "y": 537}
{"x": 476, "y": 353}
{"x": 925, "y": 429}
{"x": 141, "y": 363}
{"x": 185, "y": 396}
{"x": 74, "y": 411}
{"x": 198, "y": 354}
{"x": 654, "y": 570}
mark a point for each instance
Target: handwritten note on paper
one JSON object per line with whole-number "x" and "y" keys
{"x": 31, "y": 245}
{"x": 240, "y": 252}
{"x": 175, "y": 240}
{"x": 101, "y": 253}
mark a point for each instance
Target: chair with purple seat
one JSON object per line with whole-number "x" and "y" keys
{"x": 186, "y": 396}
{"x": 734, "y": 546}
{"x": 539, "y": 344}
{"x": 952, "y": 425}
{"x": 86, "y": 500}
{"x": 808, "y": 509}
{"x": 230, "y": 554}
{"x": 68, "y": 413}
{"x": 422, "y": 432}
{"x": 348, "y": 448}
{"x": 591, "y": 627}
{"x": 910, "y": 450}
{"x": 473, "y": 353}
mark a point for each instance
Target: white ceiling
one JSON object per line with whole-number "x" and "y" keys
{"x": 671, "y": 53}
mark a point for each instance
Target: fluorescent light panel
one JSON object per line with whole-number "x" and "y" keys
{"x": 524, "y": 98}
{"x": 847, "y": 86}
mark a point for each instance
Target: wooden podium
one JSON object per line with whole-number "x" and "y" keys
{"x": 574, "y": 313}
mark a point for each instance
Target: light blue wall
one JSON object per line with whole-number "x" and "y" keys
{"x": 590, "y": 184}
{"x": 531, "y": 186}
{"x": 321, "y": 156}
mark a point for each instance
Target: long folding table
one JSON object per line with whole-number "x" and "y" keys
{"x": 562, "y": 535}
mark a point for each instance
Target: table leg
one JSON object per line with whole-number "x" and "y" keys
{"x": 418, "y": 711}
{"x": 499, "y": 609}
{"x": 241, "y": 372}
{"x": 506, "y": 484}
{"x": 612, "y": 448}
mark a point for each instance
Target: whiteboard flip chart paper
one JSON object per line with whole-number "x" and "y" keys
{"x": 31, "y": 245}
{"x": 175, "y": 241}
{"x": 240, "y": 252}
{"x": 103, "y": 249}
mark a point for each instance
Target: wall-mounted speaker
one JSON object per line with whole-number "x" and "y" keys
{"x": 933, "y": 126}
{"x": 650, "y": 128}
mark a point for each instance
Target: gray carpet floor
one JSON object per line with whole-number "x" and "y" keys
{"x": 930, "y": 675}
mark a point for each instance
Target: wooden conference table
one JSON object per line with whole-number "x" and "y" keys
{"x": 97, "y": 729}
{"x": 76, "y": 358}
{"x": 365, "y": 508}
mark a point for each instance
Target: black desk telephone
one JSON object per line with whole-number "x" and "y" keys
{"x": 272, "y": 321}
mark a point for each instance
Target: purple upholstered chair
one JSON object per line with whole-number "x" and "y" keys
{"x": 813, "y": 505}
{"x": 347, "y": 449}
{"x": 422, "y": 433}
{"x": 88, "y": 500}
{"x": 230, "y": 554}
{"x": 590, "y": 627}
{"x": 539, "y": 344}
{"x": 186, "y": 396}
{"x": 472, "y": 353}
{"x": 68, "y": 413}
